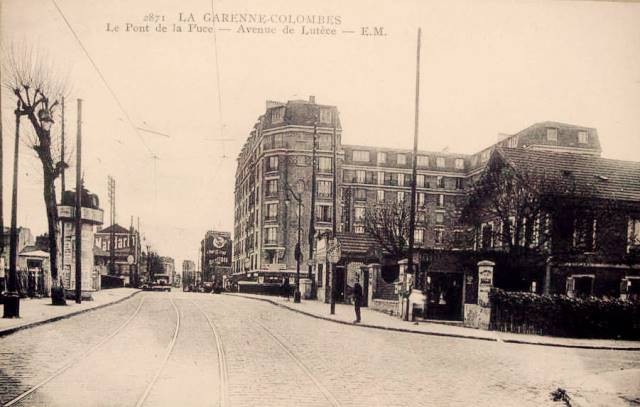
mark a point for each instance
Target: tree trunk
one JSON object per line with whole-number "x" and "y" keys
{"x": 53, "y": 224}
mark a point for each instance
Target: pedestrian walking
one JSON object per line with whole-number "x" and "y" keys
{"x": 357, "y": 299}
{"x": 286, "y": 288}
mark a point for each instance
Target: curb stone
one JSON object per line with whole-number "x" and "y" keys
{"x": 442, "y": 334}
{"x": 11, "y": 330}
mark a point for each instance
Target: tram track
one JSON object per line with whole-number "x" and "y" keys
{"x": 75, "y": 360}
{"x": 286, "y": 348}
{"x": 223, "y": 373}
{"x": 170, "y": 348}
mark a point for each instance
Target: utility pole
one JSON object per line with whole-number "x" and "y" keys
{"x": 62, "y": 186}
{"x": 312, "y": 209}
{"x": 112, "y": 233}
{"x": 412, "y": 213}
{"x": 2, "y": 272}
{"x": 78, "y": 216}
{"x": 12, "y": 299}
{"x": 334, "y": 226}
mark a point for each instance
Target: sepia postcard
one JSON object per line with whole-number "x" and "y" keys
{"x": 319, "y": 203}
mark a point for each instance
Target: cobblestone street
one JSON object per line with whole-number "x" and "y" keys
{"x": 199, "y": 349}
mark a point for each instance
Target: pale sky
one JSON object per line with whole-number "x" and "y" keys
{"x": 488, "y": 67}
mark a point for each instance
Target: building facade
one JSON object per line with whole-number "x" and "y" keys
{"x": 188, "y": 273}
{"x": 276, "y": 167}
{"x": 126, "y": 252}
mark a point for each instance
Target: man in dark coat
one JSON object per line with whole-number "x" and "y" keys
{"x": 357, "y": 299}
{"x": 286, "y": 288}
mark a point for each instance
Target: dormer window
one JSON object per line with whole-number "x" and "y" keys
{"x": 325, "y": 116}
{"x": 583, "y": 137}
{"x": 360, "y": 155}
{"x": 423, "y": 161}
{"x": 402, "y": 159}
{"x": 382, "y": 158}
{"x": 277, "y": 115}
{"x": 552, "y": 135}
{"x": 440, "y": 162}
{"x": 459, "y": 164}
{"x": 513, "y": 142}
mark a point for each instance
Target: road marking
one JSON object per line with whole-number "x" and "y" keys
{"x": 74, "y": 361}
{"x": 166, "y": 356}
{"x": 222, "y": 365}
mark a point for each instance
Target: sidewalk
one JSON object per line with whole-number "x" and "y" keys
{"x": 378, "y": 320}
{"x": 39, "y": 310}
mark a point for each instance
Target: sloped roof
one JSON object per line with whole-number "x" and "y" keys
{"x": 116, "y": 228}
{"x": 33, "y": 251}
{"x": 598, "y": 177}
{"x": 355, "y": 243}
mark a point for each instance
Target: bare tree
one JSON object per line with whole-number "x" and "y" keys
{"x": 31, "y": 78}
{"x": 388, "y": 224}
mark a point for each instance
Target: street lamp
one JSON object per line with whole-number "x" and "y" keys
{"x": 298, "y": 251}
{"x": 12, "y": 299}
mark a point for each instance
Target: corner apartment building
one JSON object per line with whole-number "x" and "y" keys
{"x": 277, "y": 159}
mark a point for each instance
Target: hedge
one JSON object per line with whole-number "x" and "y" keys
{"x": 558, "y": 315}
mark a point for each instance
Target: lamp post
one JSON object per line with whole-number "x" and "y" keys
{"x": 298, "y": 251}
{"x": 12, "y": 299}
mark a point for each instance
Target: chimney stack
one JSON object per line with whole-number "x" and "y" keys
{"x": 312, "y": 100}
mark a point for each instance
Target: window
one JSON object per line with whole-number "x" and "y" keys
{"x": 439, "y": 218}
{"x": 423, "y": 161}
{"x": 439, "y": 236}
{"x": 583, "y": 137}
{"x": 320, "y": 267}
{"x": 324, "y": 164}
{"x": 459, "y": 183}
{"x": 325, "y": 116}
{"x": 362, "y": 156}
{"x": 485, "y": 155}
{"x": 418, "y": 236}
{"x": 420, "y": 198}
{"x": 324, "y": 213}
{"x": 513, "y": 142}
{"x": 380, "y": 195}
{"x": 459, "y": 164}
{"x": 580, "y": 285}
{"x": 272, "y": 211}
{"x": 486, "y": 235}
{"x": 325, "y": 189}
{"x": 440, "y": 200}
{"x": 400, "y": 196}
{"x": 440, "y": 162}
{"x": 358, "y": 229}
{"x": 634, "y": 234}
{"x": 380, "y": 178}
{"x": 440, "y": 181}
{"x": 420, "y": 181}
{"x": 360, "y": 176}
{"x": 382, "y": 158}
{"x": 277, "y": 115}
{"x": 361, "y": 194}
{"x": 401, "y": 180}
{"x": 584, "y": 233}
{"x": 359, "y": 212}
{"x": 271, "y": 235}
{"x": 402, "y": 159}
{"x": 552, "y": 135}
{"x": 272, "y": 163}
{"x": 272, "y": 187}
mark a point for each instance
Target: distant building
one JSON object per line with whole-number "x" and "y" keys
{"x": 168, "y": 270}
{"x": 25, "y": 238}
{"x": 127, "y": 251}
{"x": 188, "y": 272}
